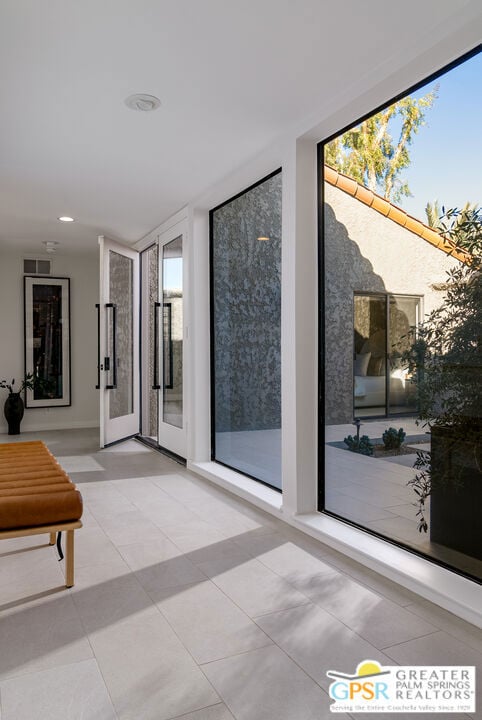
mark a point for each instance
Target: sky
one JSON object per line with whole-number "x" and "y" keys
{"x": 446, "y": 154}
{"x": 172, "y": 272}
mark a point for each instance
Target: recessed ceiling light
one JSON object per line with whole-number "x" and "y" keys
{"x": 142, "y": 102}
{"x": 263, "y": 238}
{"x": 66, "y": 218}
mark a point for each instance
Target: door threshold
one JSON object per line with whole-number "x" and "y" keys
{"x": 121, "y": 440}
{"x": 164, "y": 451}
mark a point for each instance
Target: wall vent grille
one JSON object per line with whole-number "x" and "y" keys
{"x": 37, "y": 267}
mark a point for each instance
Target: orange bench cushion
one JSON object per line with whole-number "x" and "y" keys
{"x": 34, "y": 490}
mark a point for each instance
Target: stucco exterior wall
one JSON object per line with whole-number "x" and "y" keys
{"x": 366, "y": 252}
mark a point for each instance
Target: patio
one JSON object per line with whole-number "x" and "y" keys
{"x": 373, "y": 492}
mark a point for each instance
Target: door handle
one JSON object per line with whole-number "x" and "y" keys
{"x": 99, "y": 366}
{"x": 156, "y": 385}
{"x": 114, "y": 349}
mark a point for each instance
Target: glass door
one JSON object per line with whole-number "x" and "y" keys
{"x": 382, "y": 326}
{"x": 370, "y": 352}
{"x": 404, "y": 316}
{"x": 150, "y": 344}
{"x": 118, "y": 342}
{"x": 163, "y": 342}
{"x": 171, "y": 334}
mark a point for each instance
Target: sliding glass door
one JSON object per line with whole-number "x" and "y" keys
{"x": 369, "y": 367}
{"x": 381, "y": 329}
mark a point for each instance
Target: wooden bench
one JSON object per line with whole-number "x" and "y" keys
{"x": 38, "y": 497}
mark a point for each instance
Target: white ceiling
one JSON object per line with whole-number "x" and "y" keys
{"x": 232, "y": 76}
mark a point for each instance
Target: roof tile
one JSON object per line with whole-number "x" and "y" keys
{"x": 394, "y": 213}
{"x": 380, "y": 204}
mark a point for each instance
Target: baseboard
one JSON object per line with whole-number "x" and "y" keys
{"x": 39, "y": 427}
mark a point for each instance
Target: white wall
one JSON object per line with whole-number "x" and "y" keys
{"x": 82, "y": 269}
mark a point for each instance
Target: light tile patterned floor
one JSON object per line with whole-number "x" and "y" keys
{"x": 191, "y": 604}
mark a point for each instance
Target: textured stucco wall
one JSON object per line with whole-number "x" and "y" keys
{"x": 120, "y": 289}
{"x": 366, "y": 252}
{"x": 247, "y": 310}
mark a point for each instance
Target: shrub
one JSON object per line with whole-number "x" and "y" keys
{"x": 362, "y": 445}
{"x": 444, "y": 355}
{"x": 393, "y": 439}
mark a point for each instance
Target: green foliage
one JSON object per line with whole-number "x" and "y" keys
{"x": 434, "y": 214}
{"x": 359, "y": 445}
{"x": 454, "y": 223}
{"x": 445, "y": 355}
{"x": 422, "y": 486}
{"x": 30, "y": 382}
{"x": 369, "y": 154}
{"x": 393, "y": 439}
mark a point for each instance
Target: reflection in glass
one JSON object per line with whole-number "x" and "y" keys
{"x": 120, "y": 335}
{"x": 172, "y": 332}
{"x": 246, "y": 332}
{"x": 47, "y": 341}
{"x": 404, "y": 319}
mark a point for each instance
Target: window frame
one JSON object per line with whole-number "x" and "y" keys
{"x": 212, "y": 399}
{"x": 321, "y": 480}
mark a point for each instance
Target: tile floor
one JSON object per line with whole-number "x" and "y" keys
{"x": 191, "y": 604}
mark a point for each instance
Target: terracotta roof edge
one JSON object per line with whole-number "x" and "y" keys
{"x": 392, "y": 212}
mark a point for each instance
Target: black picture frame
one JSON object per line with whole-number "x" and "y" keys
{"x": 47, "y": 340}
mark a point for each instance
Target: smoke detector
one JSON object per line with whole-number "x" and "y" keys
{"x": 50, "y": 245}
{"x": 142, "y": 102}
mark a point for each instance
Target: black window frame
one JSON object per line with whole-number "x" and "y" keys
{"x": 212, "y": 328}
{"x": 321, "y": 313}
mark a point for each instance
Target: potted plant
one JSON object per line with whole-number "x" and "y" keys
{"x": 14, "y": 407}
{"x": 445, "y": 358}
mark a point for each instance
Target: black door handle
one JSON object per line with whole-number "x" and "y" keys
{"x": 156, "y": 385}
{"x": 114, "y": 349}
{"x": 99, "y": 366}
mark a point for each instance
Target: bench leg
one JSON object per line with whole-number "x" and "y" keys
{"x": 69, "y": 559}
{"x": 52, "y": 539}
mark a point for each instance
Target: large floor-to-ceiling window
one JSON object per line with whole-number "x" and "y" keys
{"x": 246, "y": 331}
{"x": 401, "y": 231}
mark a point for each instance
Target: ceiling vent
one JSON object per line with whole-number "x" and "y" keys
{"x": 37, "y": 267}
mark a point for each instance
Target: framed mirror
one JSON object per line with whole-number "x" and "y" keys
{"x": 47, "y": 340}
